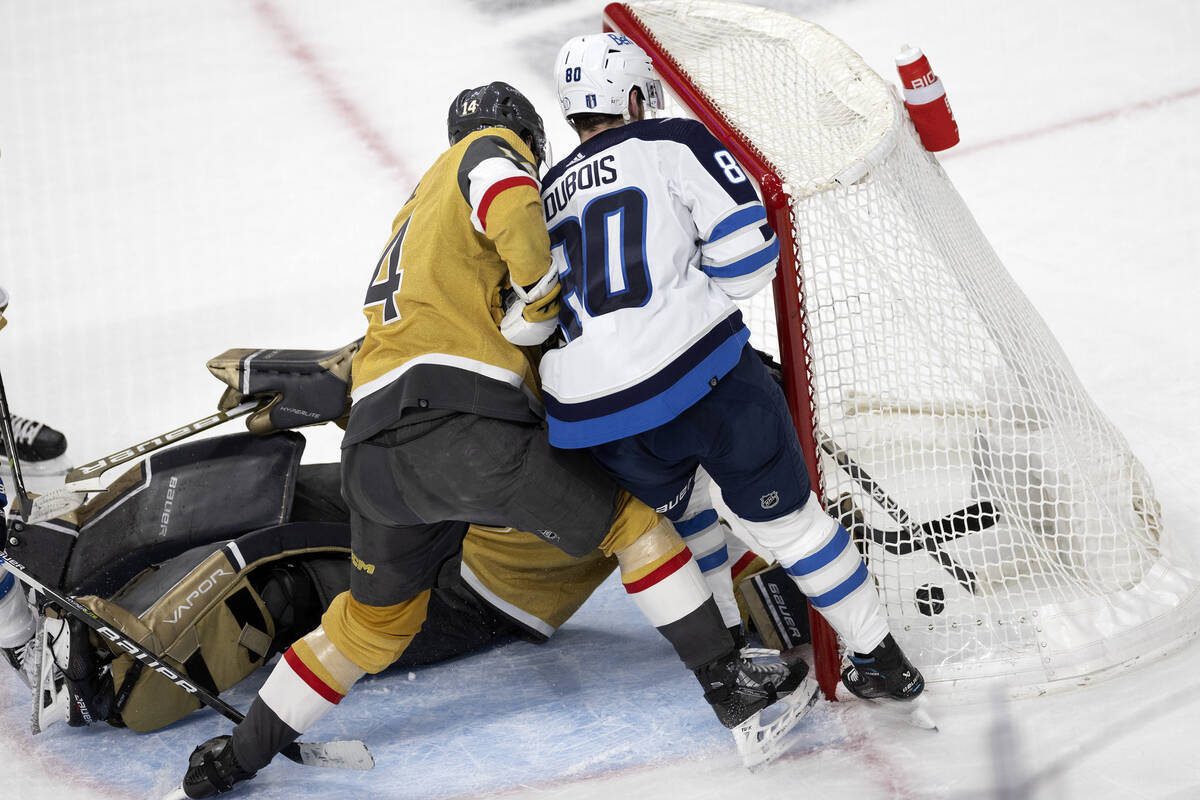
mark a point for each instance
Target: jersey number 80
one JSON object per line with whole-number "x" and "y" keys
{"x": 602, "y": 258}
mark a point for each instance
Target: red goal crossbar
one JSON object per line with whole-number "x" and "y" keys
{"x": 788, "y": 285}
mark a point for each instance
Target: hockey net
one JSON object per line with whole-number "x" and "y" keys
{"x": 1010, "y": 530}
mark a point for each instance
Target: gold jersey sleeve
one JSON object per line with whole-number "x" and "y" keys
{"x": 473, "y": 226}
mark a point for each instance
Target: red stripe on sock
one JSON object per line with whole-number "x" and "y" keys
{"x": 495, "y": 189}
{"x": 742, "y": 563}
{"x": 663, "y": 571}
{"x": 308, "y": 676}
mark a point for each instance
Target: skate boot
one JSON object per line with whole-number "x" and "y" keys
{"x": 883, "y": 673}
{"x": 36, "y": 441}
{"x": 737, "y": 687}
{"x": 213, "y": 769}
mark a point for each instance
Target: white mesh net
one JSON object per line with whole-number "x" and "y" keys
{"x": 1018, "y": 534}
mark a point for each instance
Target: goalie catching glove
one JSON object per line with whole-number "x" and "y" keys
{"x": 531, "y": 315}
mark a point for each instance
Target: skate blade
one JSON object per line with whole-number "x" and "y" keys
{"x": 759, "y": 744}
{"x": 919, "y": 716}
{"x": 175, "y": 794}
{"x": 915, "y": 712}
{"x": 51, "y": 702}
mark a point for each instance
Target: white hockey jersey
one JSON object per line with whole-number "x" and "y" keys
{"x": 654, "y": 227}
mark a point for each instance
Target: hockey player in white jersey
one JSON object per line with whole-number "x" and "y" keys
{"x": 655, "y": 230}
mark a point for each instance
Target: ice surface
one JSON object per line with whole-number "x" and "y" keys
{"x": 182, "y": 178}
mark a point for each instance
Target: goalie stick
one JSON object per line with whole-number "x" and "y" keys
{"x": 912, "y": 536}
{"x": 6, "y": 430}
{"x": 339, "y": 754}
{"x": 94, "y": 469}
{"x": 86, "y": 478}
{"x": 343, "y": 755}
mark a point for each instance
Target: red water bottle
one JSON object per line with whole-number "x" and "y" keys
{"x": 926, "y": 101}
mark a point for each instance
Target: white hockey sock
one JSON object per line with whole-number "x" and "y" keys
{"x": 16, "y": 618}
{"x": 704, "y": 534}
{"x": 819, "y": 555}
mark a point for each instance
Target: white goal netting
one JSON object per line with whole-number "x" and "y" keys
{"x": 1010, "y": 529}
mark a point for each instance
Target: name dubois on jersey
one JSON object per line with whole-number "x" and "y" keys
{"x": 585, "y": 176}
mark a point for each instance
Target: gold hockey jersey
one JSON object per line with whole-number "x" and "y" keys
{"x": 472, "y": 228}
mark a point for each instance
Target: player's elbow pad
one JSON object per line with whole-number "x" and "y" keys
{"x": 742, "y": 264}
{"x": 746, "y": 286}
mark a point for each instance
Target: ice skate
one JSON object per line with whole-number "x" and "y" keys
{"x": 42, "y": 451}
{"x": 745, "y": 686}
{"x": 213, "y": 769}
{"x": 886, "y": 675}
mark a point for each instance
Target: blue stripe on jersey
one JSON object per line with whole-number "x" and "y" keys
{"x": 744, "y": 266}
{"x": 661, "y": 407}
{"x": 823, "y": 557}
{"x": 657, "y": 383}
{"x": 739, "y": 219}
{"x": 687, "y": 132}
{"x": 839, "y": 592}
{"x": 690, "y": 527}
{"x": 713, "y": 559}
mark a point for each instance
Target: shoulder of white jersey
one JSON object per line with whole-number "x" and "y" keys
{"x": 709, "y": 152}
{"x": 493, "y": 160}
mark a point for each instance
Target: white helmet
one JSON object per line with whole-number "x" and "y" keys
{"x": 596, "y": 73}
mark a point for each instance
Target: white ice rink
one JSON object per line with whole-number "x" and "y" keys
{"x": 179, "y": 178}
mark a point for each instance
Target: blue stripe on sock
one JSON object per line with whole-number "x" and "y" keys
{"x": 713, "y": 560}
{"x": 823, "y": 557}
{"x": 840, "y": 591}
{"x": 6, "y": 583}
{"x": 690, "y": 527}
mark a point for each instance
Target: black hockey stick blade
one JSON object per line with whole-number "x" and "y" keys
{"x": 907, "y": 541}
{"x": 342, "y": 754}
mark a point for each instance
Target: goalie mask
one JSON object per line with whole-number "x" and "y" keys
{"x": 496, "y": 104}
{"x": 596, "y": 73}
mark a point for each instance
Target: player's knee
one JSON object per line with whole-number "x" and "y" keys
{"x": 654, "y": 547}
{"x": 373, "y": 637}
{"x": 797, "y": 534}
{"x": 632, "y": 520}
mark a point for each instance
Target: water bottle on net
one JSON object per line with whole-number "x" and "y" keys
{"x": 925, "y": 99}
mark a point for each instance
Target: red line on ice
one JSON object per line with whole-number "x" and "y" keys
{"x": 300, "y": 50}
{"x": 1101, "y": 116}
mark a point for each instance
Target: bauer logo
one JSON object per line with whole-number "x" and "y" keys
{"x": 769, "y": 500}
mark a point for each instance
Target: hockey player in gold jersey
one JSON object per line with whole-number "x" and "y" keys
{"x": 447, "y": 425}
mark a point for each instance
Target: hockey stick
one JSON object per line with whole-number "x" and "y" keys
{"x": 10, "y": 448}
{"x": 339, "y": 754}
{"x": 94, "y": 469}
{"x": 970, "y": 519}
{"x": 6, "y": 429}
{"x": 86, "y": 478}
{"x": 928, "y": 541}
